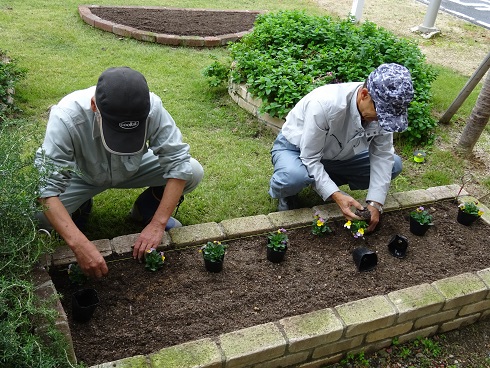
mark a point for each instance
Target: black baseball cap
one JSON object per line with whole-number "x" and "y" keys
{"x": 123, "y": 101}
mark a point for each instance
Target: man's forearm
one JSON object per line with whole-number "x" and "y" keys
{"x": 61, "y": 221}
{"x": 171, "y": 195}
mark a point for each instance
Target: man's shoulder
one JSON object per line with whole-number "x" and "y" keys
{"x": 341, "y": 86}
{"x": 334, "y": 90}
{"x": 74, "y": 108}
{"x": 80, "y": 98}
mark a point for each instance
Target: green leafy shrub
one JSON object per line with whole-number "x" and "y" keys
{"x": 20, "y": 249}
{"x": 289, "y": 53}
{"x": 217, "y": 73}
{"x": 10, "y": 74}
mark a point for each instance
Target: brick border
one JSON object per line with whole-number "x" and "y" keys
{"x": 239, "y": 93}
{"x": 314, "y": 339}
{"x": 88, "y": 17}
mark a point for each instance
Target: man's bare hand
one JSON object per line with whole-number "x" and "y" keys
{"x": 150, "y": 237}
{"x": 345, "y": 203}
{"x": 90, "y": 260}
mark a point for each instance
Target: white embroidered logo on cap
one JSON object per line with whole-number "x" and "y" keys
{"x": 129, "y": 124}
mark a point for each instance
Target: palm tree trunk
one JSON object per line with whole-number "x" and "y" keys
{"x": 477, "y": 120}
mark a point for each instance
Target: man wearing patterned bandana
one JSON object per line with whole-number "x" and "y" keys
{"x": 343, "y": 134}
{"x": 116, "y": 134}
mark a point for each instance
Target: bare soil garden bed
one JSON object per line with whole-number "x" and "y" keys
{"x": 141, "y": 311}
{"x": 182, "y": 22}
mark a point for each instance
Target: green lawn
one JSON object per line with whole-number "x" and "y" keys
{"x": 62, "y": 54}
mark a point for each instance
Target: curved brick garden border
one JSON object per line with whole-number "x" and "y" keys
{"x": 314, "y": 339}
{"x": 164, "y": 39}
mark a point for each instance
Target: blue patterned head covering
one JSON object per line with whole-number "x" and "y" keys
{"x": 390, "y": 87}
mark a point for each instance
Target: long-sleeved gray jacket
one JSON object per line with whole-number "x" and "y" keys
{"x": 72, "y": 143}
{"x": 326, "y": 125}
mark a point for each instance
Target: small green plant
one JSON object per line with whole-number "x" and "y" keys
{"x": 217, "y": 73}
{"x": 422, "y": 216}
{"x": 154, "y": 260}
{"x": 430, "y": 347}
{"x": 358, "y": 360}
{"x": 471, "y": 208}
{"x": 76, "y": 275}
{"x": 356, "y": 227}
{"x": 405, "y": 352}
{"x": 319, "y": 226}
{"x": 214, "y": 251}
{"x": 278, "y": 240}
{"x": 10, "y": 74}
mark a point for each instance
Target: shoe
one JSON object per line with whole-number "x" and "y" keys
{"x": 288, "y": 203}
{"x": 81, "y": 214}
{"x": 172, "y": 223}
{"x": 135, "y": 215}
{"x": 147, "y": 203}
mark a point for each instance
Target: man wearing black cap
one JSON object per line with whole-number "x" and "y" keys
{"x": 116, "y": 134}
{"x": 343, "y": 134}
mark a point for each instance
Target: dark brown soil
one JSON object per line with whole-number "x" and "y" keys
{"x": 179, "y": 22}
{"x": 141, "y": 312}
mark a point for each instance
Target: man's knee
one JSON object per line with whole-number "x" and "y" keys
{"x": 197, "y": 175}
{"x": 286, "y": 183}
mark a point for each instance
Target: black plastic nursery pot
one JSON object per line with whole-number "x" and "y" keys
{"x": 466, "y": 218}
{"x": 83, "y": 304}
{"x": 276, "y": 256}
{"x": 213, "y": 266}
{"x": 398, "y": 246}
{"x": 418, "y": 229}
{"x": 365, "y": 259}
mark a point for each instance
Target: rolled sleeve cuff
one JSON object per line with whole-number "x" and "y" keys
{"x": 182, "y": 172}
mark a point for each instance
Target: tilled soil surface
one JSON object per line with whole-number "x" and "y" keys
{"x": 141, "y": 311}
{"x": 179, "y": 21}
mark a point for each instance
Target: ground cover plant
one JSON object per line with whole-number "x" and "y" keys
{"x": 290, "y": 53}
{"x": 10, "y": 74}
{"x": 20, "y": 249}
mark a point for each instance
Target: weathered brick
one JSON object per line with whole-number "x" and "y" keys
{"x": 170, "y": 40}
{"x": 200, "y": 353}
{"x": 461, "y": 290}
{"x": 342, "y": 345}
{"x": 313, "y": 329}
{"x": 458, "y": 323}
{"x": 367, "y": 314}
{"x": 435, "y": 319}
{"x": 417, "y": 301}
{"x": 245, "y": 226}
{"x": 105, "y": 25}
{"x": 196, "y": 234}
{"x": 389, "y": 332}
{"x": 252, "y": 345}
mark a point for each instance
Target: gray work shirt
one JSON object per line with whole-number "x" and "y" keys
{"x": 73, "y": 144}
{"x": 326, "y": 125}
